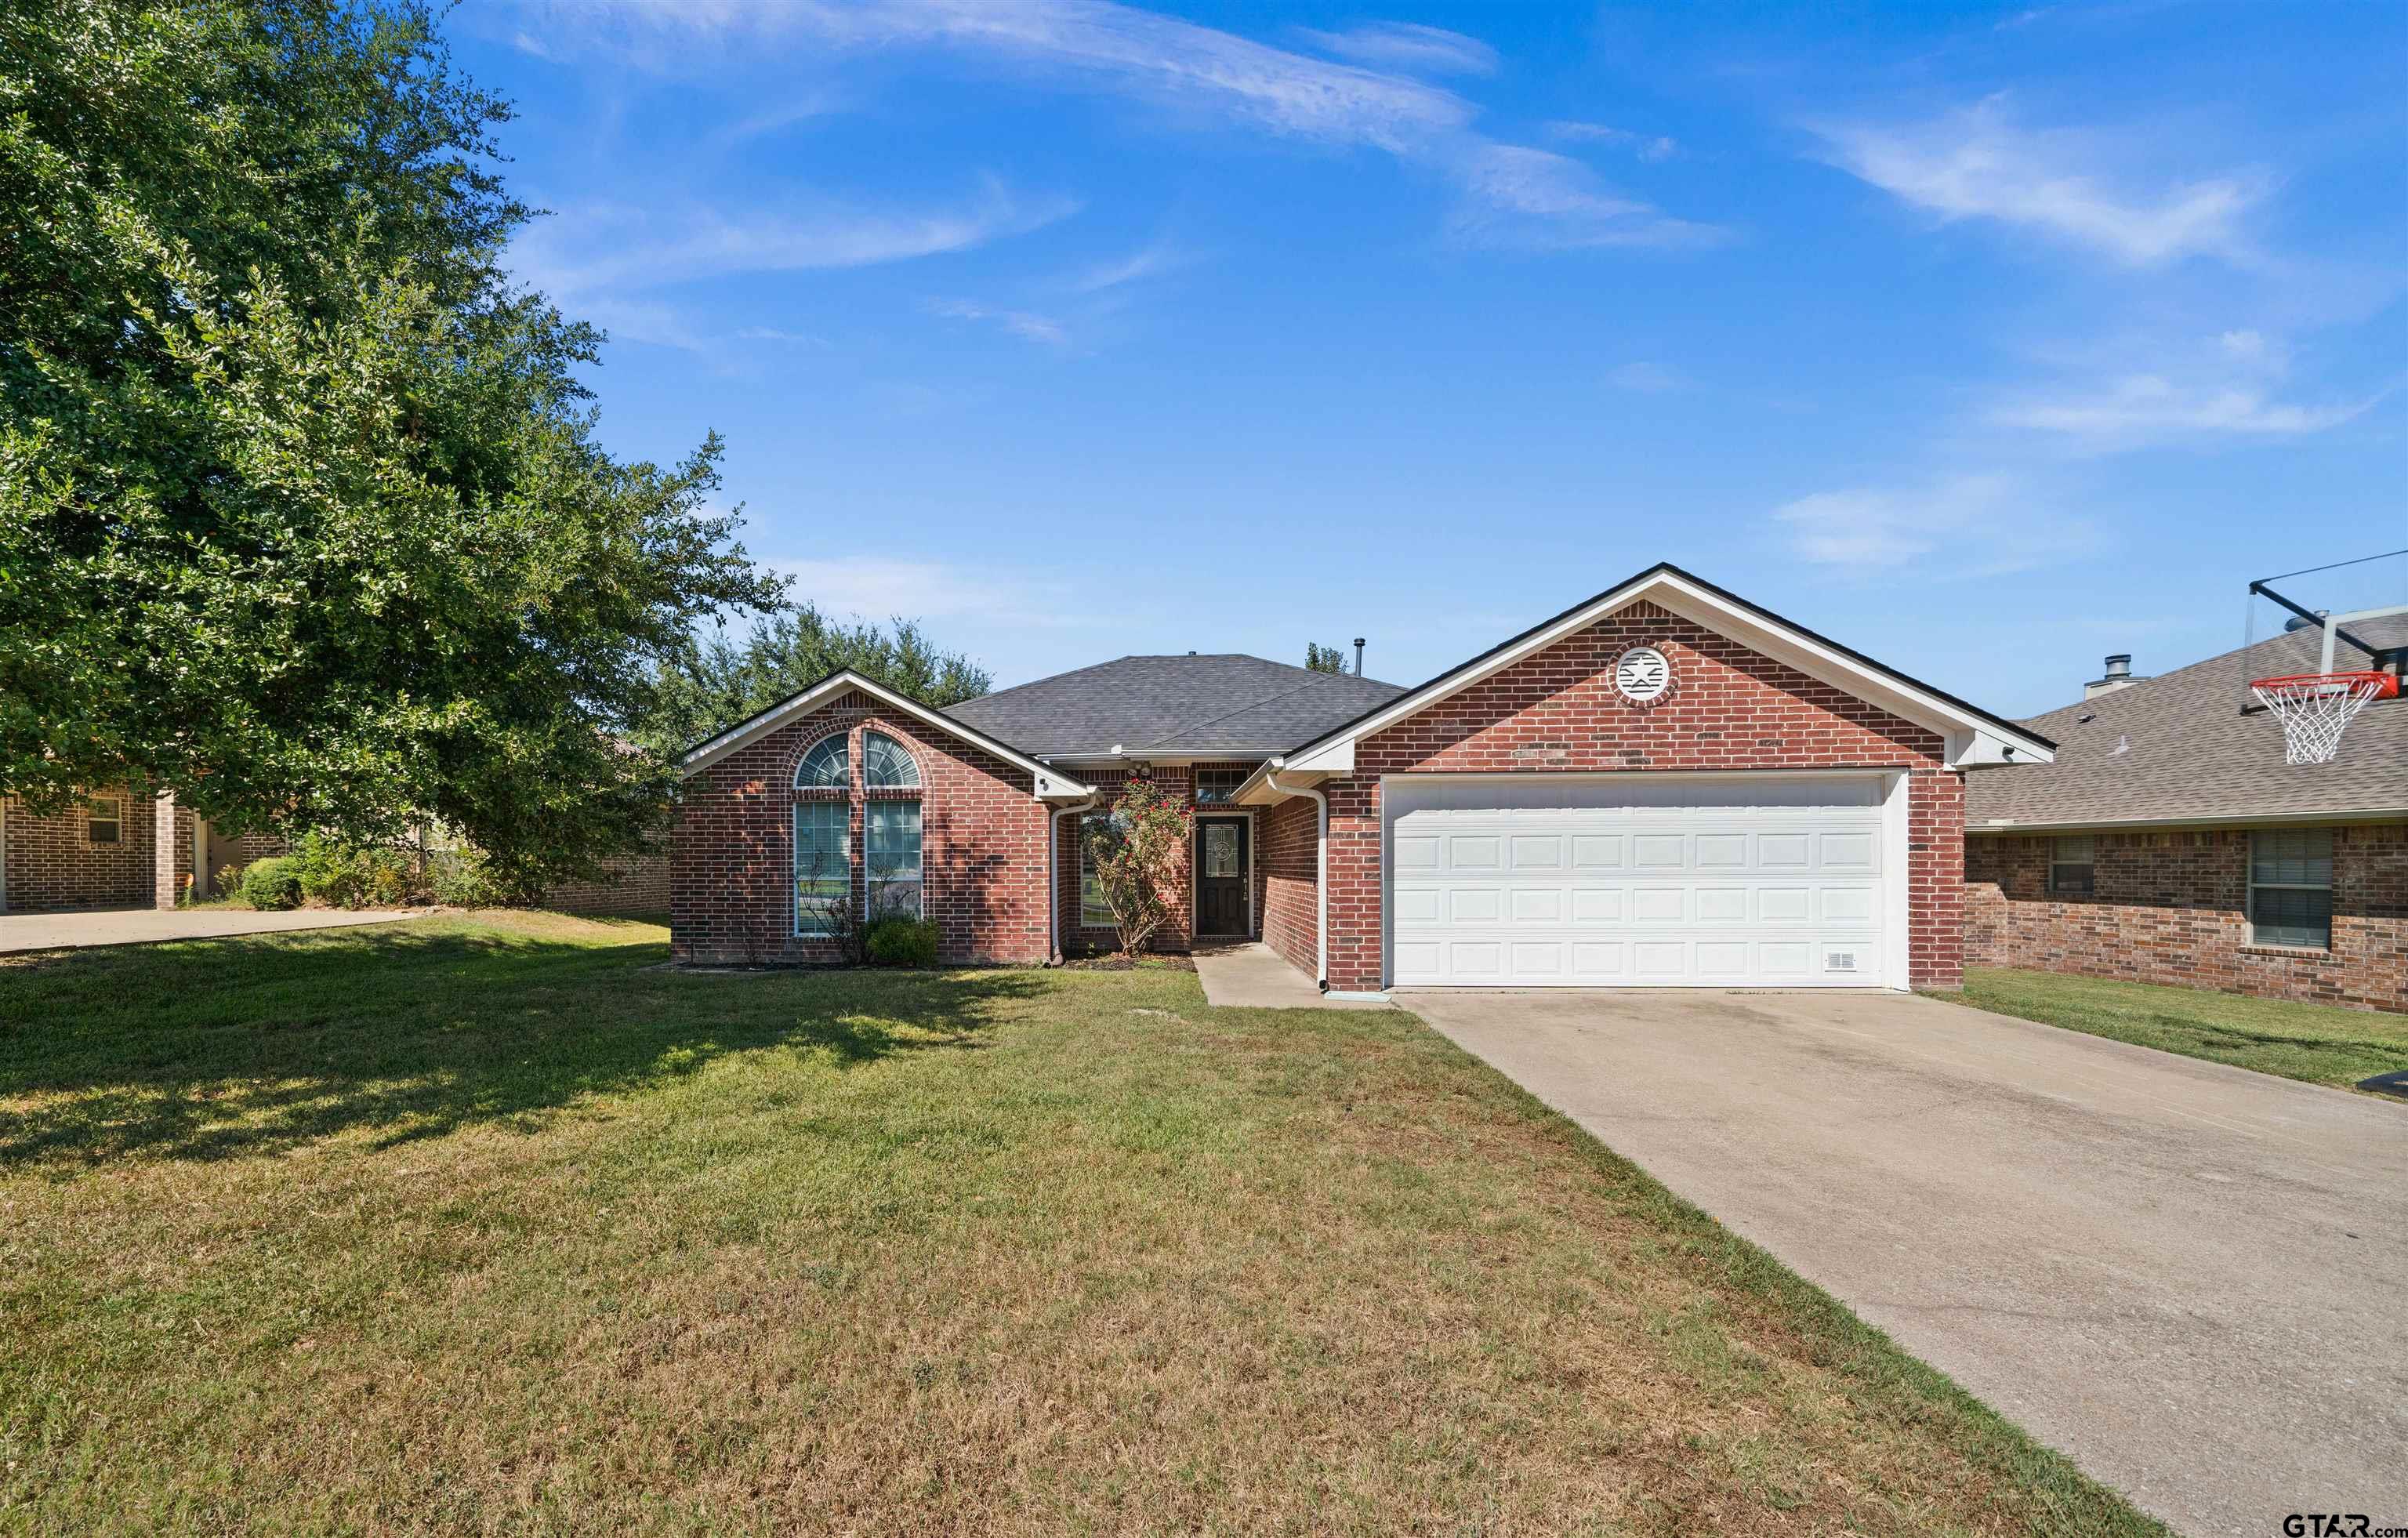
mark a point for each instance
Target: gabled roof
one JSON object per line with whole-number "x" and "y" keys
{"x": 1223, "y": 703}
{"x": 2176, "y": 749}
{"x": 1973, "y": 735}
{"x": 1047, "y": 780}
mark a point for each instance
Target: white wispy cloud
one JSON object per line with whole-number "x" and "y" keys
{"x": 1151, "y": 261}
{"x": 1962, "y": 525}
{"x": 871, "y": 588}
{"x": 1646, "y": 378}
{"x": 1538, "y": 199}
{"x": 1406, "y": 45}
{"x": 1645, "y": 146}
{"x": 1168, "y": 61}
{"x": 1023, "y": 323}
{"x": 621, "y": 249}
{"x": 1980, "y": 163}
{"x": 2139, "y": 410}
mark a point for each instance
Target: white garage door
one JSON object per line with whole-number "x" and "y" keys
{"x": 1701, "y": 880}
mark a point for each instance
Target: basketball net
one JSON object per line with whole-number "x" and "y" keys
{"x": 2317, "y": 708}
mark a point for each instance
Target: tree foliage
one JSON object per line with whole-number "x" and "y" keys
{"x": 1139, "y": 856}
{"x": 1324, "y": 659}
{"x": 709, "y": 685}
{"x": 301, "y": 509}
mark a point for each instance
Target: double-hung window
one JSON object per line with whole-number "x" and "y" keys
{"x": 2290, "y": 888}
{"x": 2073, "y": 868}
{"x": 1099, "y": 834}
{"x": 890, "y": 783}
{"x": 103, "y": 820}
{"x": 822, "y": 839}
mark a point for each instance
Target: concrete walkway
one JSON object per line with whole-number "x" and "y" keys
{"x": 2192, "y": 1278}
{"x": 1254, "y": 976}
{"x": 143, "y": 925}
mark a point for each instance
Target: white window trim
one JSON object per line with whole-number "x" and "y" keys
{"x": 2249, "y": 915}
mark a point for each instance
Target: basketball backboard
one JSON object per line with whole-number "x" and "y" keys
{"x": 2323, "y": 643}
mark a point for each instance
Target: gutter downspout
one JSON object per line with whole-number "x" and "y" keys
{"x": 1321, "y": 878}
{"x": 1054, "y": 878}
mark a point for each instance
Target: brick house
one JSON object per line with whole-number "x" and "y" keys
{"x": 119, "y": 846}
{"x": 2169, "y": 842}
{"x": 1663, "y": 785}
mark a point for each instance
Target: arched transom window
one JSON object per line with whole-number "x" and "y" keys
{"x": 823, "y": 837}
{"x": 890, "y": 780}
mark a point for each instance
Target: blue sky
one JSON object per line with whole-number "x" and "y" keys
{"x": 1984, "y": 341}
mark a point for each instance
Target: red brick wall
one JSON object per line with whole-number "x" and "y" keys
{"x": 983, "y": 846}
{"x": 2172, "y": 907}
{"x": 1289, "y": 858}
{"x": 635, "y": 886}
{"x": 52, "y": 863}
{"x": 1080, "y": 938}
{"x": 1729, "y": 707}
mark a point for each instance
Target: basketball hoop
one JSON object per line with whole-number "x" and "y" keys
{"x": 2317, "y": 708}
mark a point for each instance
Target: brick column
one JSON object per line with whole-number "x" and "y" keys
{"x": 165, "y": 866}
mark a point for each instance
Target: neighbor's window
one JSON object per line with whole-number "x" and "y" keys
{"x": 103, "y": 820}
{"x": 891, "y": 822}
{"x": 1218, "y": 785}
{"x": 1093, "y": 912}
{"x": 2290, "y": 888}
{"x": 2072, "y": 866}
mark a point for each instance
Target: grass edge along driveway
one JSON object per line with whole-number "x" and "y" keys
{"x": 2317, "y": 1043}
{"x": 476, "y": 1222}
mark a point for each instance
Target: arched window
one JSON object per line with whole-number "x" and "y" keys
{"x": 891, "y": 819}
{"x": 826, "y": 766}
{"x": 823, "y": 837}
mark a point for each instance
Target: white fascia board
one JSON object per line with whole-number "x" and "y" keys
{"x": 1048, "y": 781}
{"x": 1971, "y": 740}
{"x": 1998, "y": 827}
{"x": 1258, "y": 790}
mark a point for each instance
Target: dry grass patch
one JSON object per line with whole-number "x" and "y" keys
{"x": 477, "y": 1224}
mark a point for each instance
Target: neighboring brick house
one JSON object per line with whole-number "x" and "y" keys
{"x": 1664, "y": 785}
{"x": 2169, "y": 842}
{"x": 119, "y": 846}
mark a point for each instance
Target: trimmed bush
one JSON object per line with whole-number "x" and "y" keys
{"x": 273, "y": 885}
{"x": 903, "y": 943}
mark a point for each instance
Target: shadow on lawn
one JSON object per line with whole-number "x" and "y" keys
{"x": 220, "y": 1049}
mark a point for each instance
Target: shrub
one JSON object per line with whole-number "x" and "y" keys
{"x": 344, "y": 875}
{"x": 903, "y": 943}
{"x": 271, "y": 884}
{"x": 456, "y": 878}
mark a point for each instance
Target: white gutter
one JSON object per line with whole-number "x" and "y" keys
{"x": 1321, "y": 877}
{"x": 1054, "y": 876}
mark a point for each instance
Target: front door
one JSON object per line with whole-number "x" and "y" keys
{"x": 1221, "y": 877}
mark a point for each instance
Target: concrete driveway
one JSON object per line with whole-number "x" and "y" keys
{"x": 139, "y": 926}
{"x": 2192, "y": 1279}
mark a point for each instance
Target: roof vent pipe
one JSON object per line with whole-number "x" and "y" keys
{"x": 2119, "y": 665}
{"x": 1358, "y": 656}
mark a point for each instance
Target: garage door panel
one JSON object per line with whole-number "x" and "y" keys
{"x": 1537, "y": 882}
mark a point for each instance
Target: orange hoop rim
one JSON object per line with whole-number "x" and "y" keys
{"x": 2387, "y": 686}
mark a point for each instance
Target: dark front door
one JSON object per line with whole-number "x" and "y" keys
{"x": 1221, "y": 877}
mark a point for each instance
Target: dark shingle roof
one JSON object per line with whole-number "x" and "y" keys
{"x": 1183, "y": 705}
{"x": 2189, "y": 753}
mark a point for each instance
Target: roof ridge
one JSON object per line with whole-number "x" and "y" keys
{"x": 1251, "y": 705}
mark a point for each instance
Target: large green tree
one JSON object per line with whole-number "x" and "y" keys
{"x": 715, "y": 684}
{"x": 301, "y": 508}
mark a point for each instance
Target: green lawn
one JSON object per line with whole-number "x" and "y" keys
{"x": 2317, "y": 1042}
{"x": 481, "y": 1223}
